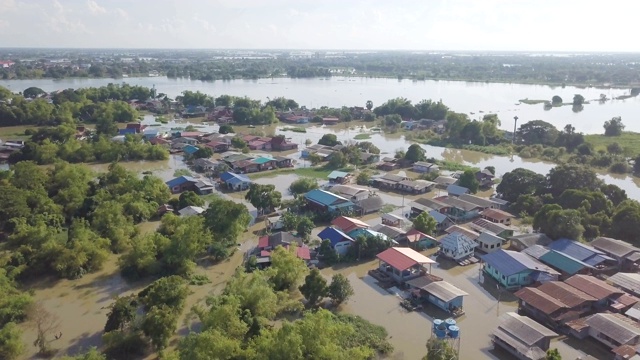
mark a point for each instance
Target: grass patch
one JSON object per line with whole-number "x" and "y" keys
{"x": 630, "y": 142}
{"x": 295, "y": 129}
{"x": 362, "y": 137}
{"x": 491, "y": 149}
{"x": 182, "y": 172}
{"x": 270, "y": 173}
{"x": 533, "y": 102}
{"x": 15, "y": 132}
{"x": 199, "y": 279}
{"x": 210, "y": 197}
{"x": 454, "y": 166}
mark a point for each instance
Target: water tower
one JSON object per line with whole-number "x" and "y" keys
{"x": 447, "y": 331}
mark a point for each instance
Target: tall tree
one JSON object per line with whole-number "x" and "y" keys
{"x": 572, "y": 176}
{"x": 286, "y": 269}
{"x": 425, "y": 223}
{"x": 264, "y": 197}
{"x": 518, "y": 182}
{"x": 314, "y": 288}
{"x": 369, "y": 105}
{"x": 468, "y": 179}
{"x": 340, "y": 289}
{"x": 415, "y": 153}
{"x": 613, "y": 127}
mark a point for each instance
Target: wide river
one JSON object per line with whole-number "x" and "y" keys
{"x": 473, "y": 98}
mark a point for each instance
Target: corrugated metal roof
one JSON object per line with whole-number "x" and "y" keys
{"x": 403, "y": 258}
{"x": 508, "y": 262}
{"x": 457, "y": 242}
{"x": 524, "y": 329}
{"x": 563, "y": 262}
{"x": 480, "y": 201}
{"x": 497, "y": 214}
{"x": 333, "y": 235}
{"x": 613, "y": 246}
{"x": 593, "y": 286}
{"x": 337, "y": 174}
{"x": 323, "y": 197}
{"x": 444, "y": 291}
{"x": 565, "y": 293}
{"x": 438, "y": 216}
{"x": 615, "y": 326}
{"x": 457, "y": 228}
{"x": 347, "y": 224}
{"x": 627, "y": 281}
{"x": 579, "y": 251}
{"x": 535, "y": 251}
{"x": 226, "y": 176}
{"x": 527, "y": 240}
{"x": 457, "y": 190}
{"x": 531, "y": 352}
{"x": 539, "y": 300}
{"x": 488, "y": 238}
{"x": 180, "y": 180}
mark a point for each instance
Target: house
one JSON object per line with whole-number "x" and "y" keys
{"x": 585, "y": 253}
{"x": 264, "y": 163}
{"x": 283, "y": 162}
{"x": 190, "y": 211}
{"x": 368, "y": 158}
{"x": 403, "y": 264}
{"x": 460, "y": 210}
{"x": 419, "y": 240}
{"x": 455, "y": 190}
{"x": 185, "y": 140}
{"x": 485, "y": 178}
{"x": 159, "y": 141}
{"x": 280, "y": 238}
{"x": 204, "y": 187}
{"x": 347, "y": 224}
{"x": 457, "y": 246}
{"x": 627, "y": 255}
{"x": 391, "y": 232}
{"x": 502, "y": 204}
{"x": 442, "y": 220}
{"x": 387, "y": 165}
{"x": 439, "y": 293}
{"x": 163, "y": 209}
{"x": 521, "y": 242}
{"x": 259, "y": 145}
{"x": 484, "y": 203}
{"x": 425, "y": 167}
{"x": 370, "y": 233}
{"x": 513, "y": 269}
{"x": 245, "y": 166}
{"x": 629, "y": 282}
{"x": 235, "y": 182}
{"x": 190, "y": 149}
{"x": 607, "y": 297}
{"x": 281, "y": 143}
{"x": 205, "y": 165}
{"x": 443, "y": 181}
{"x": 522, "y": 337}
{"x": 218, "y": 146}
{"x": 274, "y": 223}
{"x": 410, "y": 125}
{"x": 339, "y": 177}
{"x": 181, "y": 184}
{"x": 340, "y": 242}
{"x": 482, "y": 225}
{"x": 388, "y": 181}
{"x": 370, "y": 205}
{"x": 497, "y": 216}
{"x": 296, "y": 119}
{"x": 415, "y": 186}
{"x": 462, "y": 230}
{"x": 350, "y": 192}
{"x": 565, "y": 264}
{"x": 612, "y": 330}
{"x": 392, "y": 219}
{"x": 323, "y": 201}
{"x": 302, "y": 252}
{"x": 421, "y": 205}
{"x": 488, "y": 242}
{"x": 554, "y": 303}
{"x": 330, "y": 121}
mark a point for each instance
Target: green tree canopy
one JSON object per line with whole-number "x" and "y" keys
{"x": 314, "y": 288}
{"x": 468, "y": 179}
{"x": 613, "y": 127}
{"x": 425, "y": 223}
{"x": 340, "y": 289}
{"x": 415, "y": 153}
{"x": 518, "y": 182}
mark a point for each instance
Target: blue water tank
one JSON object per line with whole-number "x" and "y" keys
{"x": 436, "y": 323}
{"x": 440, "y": 333}
{"x": 454, "y": 331}
{"x": 450, "y": 322}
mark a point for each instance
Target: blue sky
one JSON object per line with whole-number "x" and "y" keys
{"x": 520, "y": 25}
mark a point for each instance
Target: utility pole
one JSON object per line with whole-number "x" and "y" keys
{"x": 515, "y": 122}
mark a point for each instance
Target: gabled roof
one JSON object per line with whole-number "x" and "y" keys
{"x": 348, "y": 224}
{"x": 355, "y": 233}
{"x": 190, "y": 210}
{"x": 483, "y": 225}
{"x": 324, "y": 197}
{"x": 615, "y": 326}
{"x": 262, "y": 160}
{"x": 615, "y": 247}
{"x": 445, "y": 180}
{"x": 508, "y": 262}
{"x": 488, "y": 238}
{"x": 371, "y": 203}
{"x": 565, "y": 293}
{"x": 564, "y": 262}
{"x": 392, "y": 217}
{"x": 627, "y": 281}
{"x": 335, "y": 174}
{"x": 403, "y": 258}
{"x": 462, "y": 230}
{"x": 347, "y": 190}
{"x": 579, "y": 251}
{"x": 536, "y": 251}
{"x": 438, "y": 216}
{"x": 180, "y": 180}
{"x": 540, "y": 300}
{"x": 526, "y": 330}
{"x": 443, "y": 290}
{"x": 334, "y": 236}
{"x": 457, "y": 190}
{"x": 457, "y": 242}
{"x": 414, "y": 235}
{"x": 190, "y": 149}
{"x": 593, "y": 286}
{"x": 458, "y": 204}
{"x": 480, "y": 201}
{"x": 528, "y": 240}
{"x": 390, "y": 231}
{"x": 233, "y": 177}
{"x": 497, "y": 214}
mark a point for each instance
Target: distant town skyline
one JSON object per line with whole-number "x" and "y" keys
{"x": 488, "y": 25}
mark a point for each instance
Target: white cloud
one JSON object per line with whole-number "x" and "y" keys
{"x": 95, "y": 8}
{"x": 123, "y": 14}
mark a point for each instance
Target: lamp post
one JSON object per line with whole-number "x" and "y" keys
{"x": 515, "y": 122}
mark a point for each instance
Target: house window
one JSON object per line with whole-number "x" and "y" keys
{"x": 486, "y": 246}
{"x": 492, "y": 246}
{"x": 504, "y": 278}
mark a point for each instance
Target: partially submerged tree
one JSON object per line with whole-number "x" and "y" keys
{"x": 340, "y": 289}
{"x": 314, "y": 288}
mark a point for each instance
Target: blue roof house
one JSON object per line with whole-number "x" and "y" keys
{"x": 324, "y": 201}
{"x": 456, "y": 190}
{"x": 181, "y": 183}
{"x": 566, "y": 264}
{"x": 340, "y": 242}
{"x": 514, "y": 269}
{"x": 190, "y": 149}
{"x": 339, "y": 177}
{"x": 235, "y": 182}
{"x": 444, "y": 222}
{"x": 127, "y": 132}
{"x": 585, "y": 253}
